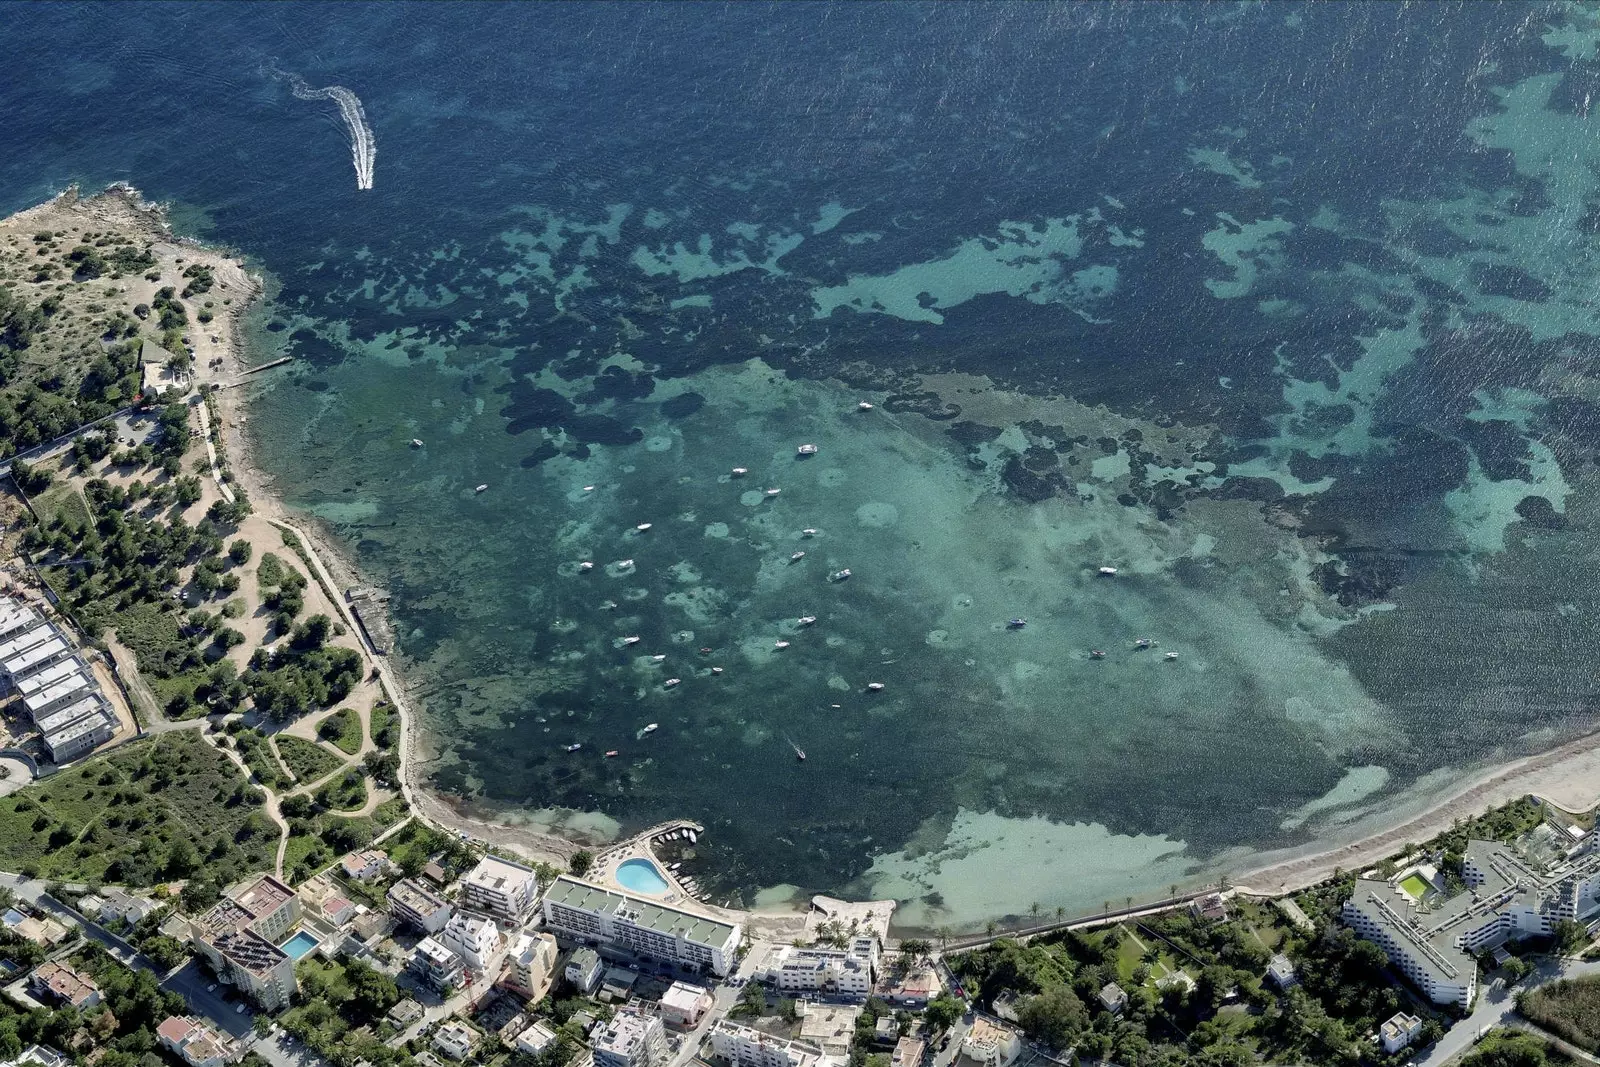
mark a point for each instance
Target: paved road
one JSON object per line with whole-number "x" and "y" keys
{"x": 1497, "y": 1006}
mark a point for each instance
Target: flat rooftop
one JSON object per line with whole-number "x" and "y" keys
{"x": 26, "y": 638}
{"x": 47, "y": 700}
{"x": 264, "y": 896}
{"x": 663, "y": 919}
{"x": 498, "y": 875}
{"x": 45, "y": 651}
{"x": 49, "y": 676}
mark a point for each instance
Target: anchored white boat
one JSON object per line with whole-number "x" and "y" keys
{"x": 586, "y": 565}
{"x": 416, "y": 442}
{"x": 643, "y": 526}
{"x": 1108, "y": 571}
{"x": 739, "y": 472}
{"x": 806, "y": 450}
{"x": 482, "y": 488}
{"x": 671, "y": 683}
{"x": 796, "y": 557}
{"x": 806, "y": 620}
{"x": 840, "y": 575}
{"x": 863, "y": 406}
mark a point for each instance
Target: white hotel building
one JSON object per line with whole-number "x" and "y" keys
{"x": 849, "y": 972}
{"x": 1434, "y": 946}
{"x": 610, "y": 918}
{"x": 502, "y": 889}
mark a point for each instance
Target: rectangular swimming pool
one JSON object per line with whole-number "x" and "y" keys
{"x": 299, "y": 945}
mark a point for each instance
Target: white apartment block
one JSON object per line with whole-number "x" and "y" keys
{"x": 435, "y": 964}
{"x": 1399, "y": 1031}
{"x": 239, "y": 938}
{"x": 596, "y": 915}
{"x": 508, "y": 891}
{"x": 1434, "y": 946}
{"x": 850, "y": 972}
{"x": 478, "y": 942}
{"x": 744, "y": 1046}
{"x": 414, "y": 903}
{"x": 630, "y": 1038}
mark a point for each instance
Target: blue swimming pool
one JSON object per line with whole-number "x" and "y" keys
{"x": 299, "y": 945}
{"x": 642, "y": 877}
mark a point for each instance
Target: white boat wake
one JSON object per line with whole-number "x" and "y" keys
{"x": 363, "y": 146}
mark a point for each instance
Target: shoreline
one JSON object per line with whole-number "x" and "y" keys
{"x": 1568, "y": 775}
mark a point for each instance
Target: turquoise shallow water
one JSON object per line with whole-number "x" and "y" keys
{"x": 1282, "y": 311}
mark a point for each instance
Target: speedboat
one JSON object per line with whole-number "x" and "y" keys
{"x": 482, "y": 488}
{"x": 588, "y": 489}
{"x": 652, "y": 727}
{"x": 806, "y": 620}
{"x": 624, "y": 564}
{"x": 573, "y": 747}
{"x": 1141, "y": 642}
{"x": 716, "y": 670}
{"x": 610, "y": 753}
{"x": 1108, "y": 572}
{"x": 586, "y": 565}
{"x": 780, "y": 644}
{"x": 808, "y": 532}
{"x": 1096, "y": 654}
{"x": 874, "y": 687}
{"x": 774, "y": 492}
{"x": 643, "y": 526}
{"x": 796, "y": 557}
{"x": 416, "y": 442}
{"x": 839, "y": 576}
{"x": 863, "y": 406}
{"x": 1016, "y": 624}
{"x": 739, "y": 472}
{"x": 706, "y": 651}
{"x": 658, "y": 657}
{"x": 1170, "y": 655}
{"x": 806, "y": 450}
{"x": 632, "y": 640}
{"x": 671, "y": 683}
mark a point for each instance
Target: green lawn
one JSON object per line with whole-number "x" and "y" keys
{"x": 153, "y": 810}
{"x": 343, "y": 729}
{"x": 307, "y": 760}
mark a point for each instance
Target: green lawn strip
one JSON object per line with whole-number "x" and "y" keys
{"x": 307, "y": 760}
{"x": 343, "y": 730}
{"x": 385, "y": 725}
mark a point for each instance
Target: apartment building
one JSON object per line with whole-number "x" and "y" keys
{"x": 39, "y": 661}
{"x": 530, "y": 965}
{"x": 435, "y": 965}
{"x": 239, "y": 938}
{"x": 849, "y": 972}
{"x": 623, "y": 922}
{"x": 990, "y": 1043}
{"x": 630, "y": 1038}
{"x": 744, "y": 1046}
{"x": 502, "y": 889}
{"x": 414, "y": 903}
{"x": 478, "y": 942}
{"x": 683, "y": 1005}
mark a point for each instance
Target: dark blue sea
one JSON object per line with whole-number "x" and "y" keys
{"x": 1283, "y": 311}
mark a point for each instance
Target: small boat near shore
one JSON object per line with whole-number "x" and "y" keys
{"x": 864, "y": 406}
{"x": 806, "y": 450}
{"x": 1016, "y": 624}
{"x": 643, "y": 526}
{"x": 416, "y": 442}
{"x": 651, "y": 728}
{"x": 586, "y": 566}
{"x": 739, "y": 472}
{"x": 574, "y": 747}
{"x": 806, "y": 620}
{"x": 808, "y": 533}
{"x": 1095, "y": 653}
{"x": 484, "y": 488}
{"x": 840, "y": 575}
{"x": 671, "y": 683}
{"x": 631, "y": 639}
{"x": 1108, "y": 572}
{"x": 796, "y": 557}
{"x": 773, "y": 492}
{"x": 780, "y": 644}
{"x": 874, "y": 687}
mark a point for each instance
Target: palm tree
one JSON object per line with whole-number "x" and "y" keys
{"x": 990, "y": 927}
{"x": 1061, "y": 913}
{"x": 1034, "y": 909}
{"x": 1130, "y": 903}
{"x": 1151, "y": 955}
{"x": 1172, "y": 891}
